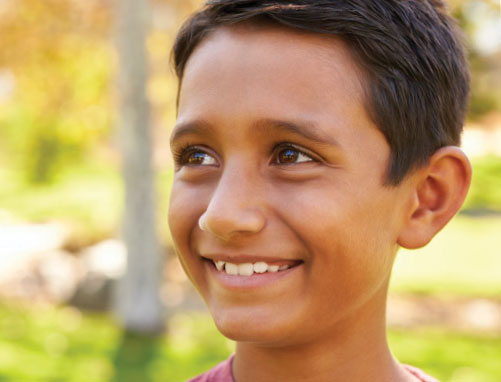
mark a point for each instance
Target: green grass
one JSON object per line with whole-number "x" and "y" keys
{"x": 485, "y": 190}
{"x": 48, "y": 344}
{"x": 449, "y": 356}
{"x": 464, "y": 259}
{"x": 88, "y": 196}
{"x": 61, "y": 344}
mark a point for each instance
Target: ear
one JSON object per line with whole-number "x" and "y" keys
{"x": 440, "y": 189}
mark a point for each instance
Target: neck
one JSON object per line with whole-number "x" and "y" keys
{"x": 355, "y": 350}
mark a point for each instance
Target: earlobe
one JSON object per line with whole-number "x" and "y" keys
{"x": 440, "y": 191}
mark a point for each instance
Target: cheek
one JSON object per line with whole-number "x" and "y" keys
{"x": 185, "y": 207}
{"x": 366, "y": 250}
{"x": 349, "y": 245}
{"x": 178, "y": 217}
{"x": 183, "y": 217}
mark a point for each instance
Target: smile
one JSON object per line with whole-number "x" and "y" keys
{"x": 248, "y": 269}
{"x": 244, "y": 272}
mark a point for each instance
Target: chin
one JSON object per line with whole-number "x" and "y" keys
{"x": 249, "y": 328}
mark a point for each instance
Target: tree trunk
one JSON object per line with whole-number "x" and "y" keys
{"x": 137, "y": 302}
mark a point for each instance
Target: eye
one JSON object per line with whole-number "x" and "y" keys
{"x": 290, "y": 154}
{"x": 200, "y": 158}
{"x": 194, "y": 156}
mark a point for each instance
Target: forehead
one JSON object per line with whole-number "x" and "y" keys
{"x": 311, "y": 68}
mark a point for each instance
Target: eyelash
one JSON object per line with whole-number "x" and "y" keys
{"x": 180, "y": 154}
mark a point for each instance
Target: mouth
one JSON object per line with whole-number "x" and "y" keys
{"x": 248, "y": 269}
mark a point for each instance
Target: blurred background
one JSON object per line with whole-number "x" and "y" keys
{"x": 89, "y": 287}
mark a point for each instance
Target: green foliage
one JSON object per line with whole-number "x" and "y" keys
{"x": 87, "y": 197}
{"x": 473, "y": 15}
{"x": 485, "y": 191}
{"x": 483, "y": 102}
{"x": 448, "y": 356}
{"x": 61, "y": 65}
{"x": 65, "y": 345}
{"x": 57, "y": 344}
{"x": 463, "y": 260}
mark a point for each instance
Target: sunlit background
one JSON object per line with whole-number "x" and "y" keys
{"x": 62, "y": 200}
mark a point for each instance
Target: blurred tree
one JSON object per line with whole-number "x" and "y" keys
{"x": 481, "y": 22}
{"x": 58, "y": 63}
{"x": 138, "y": 304}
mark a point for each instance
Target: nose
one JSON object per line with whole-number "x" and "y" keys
{"x": 236, "y": 206}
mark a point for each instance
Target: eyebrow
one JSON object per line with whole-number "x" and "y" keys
{"x": 197, "y": 127}
{"x": 306, "y": 129}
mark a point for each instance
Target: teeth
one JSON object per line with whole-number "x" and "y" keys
{"x": 247, "y": 269}
{"x": 219, "y": 265}
{"x": 231, "y": 269}
{"x": 260, "y": 267}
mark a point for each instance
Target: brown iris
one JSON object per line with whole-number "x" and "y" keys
{"x": 196, "y": 158}
{"x": 288, "y": 156}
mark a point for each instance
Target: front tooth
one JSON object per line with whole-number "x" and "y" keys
{"x": 260, "y": 267}
{"x": 273, "y": 268}
{"x": 283, "y": 268}
{"x": 245, "y": 269}
{"x": 231, "y": 269}
{"x": 219, "y": 265}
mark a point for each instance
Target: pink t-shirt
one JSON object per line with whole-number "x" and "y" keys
{"x": 222, "y": 373}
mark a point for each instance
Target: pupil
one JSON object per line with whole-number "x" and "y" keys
{"x": 196, "y": 158}
{"x": 289, "y": 155}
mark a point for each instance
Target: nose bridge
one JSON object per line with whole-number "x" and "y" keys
{"x": 236, "y": 205}
{"x": 237, "y": 184}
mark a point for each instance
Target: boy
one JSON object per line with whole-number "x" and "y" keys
{"x": 314, "y": 138}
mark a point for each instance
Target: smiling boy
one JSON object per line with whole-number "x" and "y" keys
{"x": 314, "y": 138}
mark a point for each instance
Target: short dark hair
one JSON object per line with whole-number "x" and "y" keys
{"x": 410, "y": 50}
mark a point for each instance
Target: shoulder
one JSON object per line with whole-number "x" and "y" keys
{"x": 419, "y": 374}
{"x": 219, "y": 373}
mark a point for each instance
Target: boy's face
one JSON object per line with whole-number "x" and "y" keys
{"x": 278, "y": 156}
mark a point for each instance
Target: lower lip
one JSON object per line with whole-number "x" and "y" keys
{"x": 256, "y": 280}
